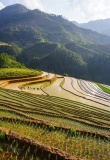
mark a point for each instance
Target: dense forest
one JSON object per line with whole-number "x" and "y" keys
{"x": 51, "y": 43}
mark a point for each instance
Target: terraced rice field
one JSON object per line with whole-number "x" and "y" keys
{"x": 31, "y": 115}
{"x": 71, "y": 121}
{"x": 16, "y": 85}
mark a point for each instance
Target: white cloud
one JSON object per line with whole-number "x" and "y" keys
{"x": 1, "y": 5}
{"x": 76, "y": 10}
{"x": 86, "y": 10}
{"x": 31, "y": 4}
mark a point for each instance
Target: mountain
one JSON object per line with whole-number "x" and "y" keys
{"x": 51, "y": 43}
{"x": 12, "y": 49}
{"x": 16, "y": 8}
{"x": 24, "y": 27}
{"x": 97, "y": 58}
{"x": 101, "y": 26}
{"x": 54, "y": 57}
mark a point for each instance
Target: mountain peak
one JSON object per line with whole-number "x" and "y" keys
{"x": 13, "y": 9}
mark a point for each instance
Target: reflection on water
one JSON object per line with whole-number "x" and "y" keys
{"x": 56, "y": 90}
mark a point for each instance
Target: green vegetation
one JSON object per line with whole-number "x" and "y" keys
{"x": 12, "y": 49}
{"x": 72, "y": 132}
{"x": 51, "y": 27}
{"x": 11, "y": 68}
{"x": 51, "y": 43}
{"x": 105, "y": 89}
{"x": 7, "y": 62}
{"x": 65, "y": 74}
{"x": 17, "y": 72}
{"x": 51, "y": 128}
{"x": 85, "y": 54}
{"x": 70, "y": 126}
{"x": 60, "y": 60}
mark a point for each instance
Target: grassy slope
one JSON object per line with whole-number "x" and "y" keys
{"x": 58, "y": 112}
{"x": 11, "y": 68}
{"x": 105, "y": 89}
{"x": 17, "y": 72}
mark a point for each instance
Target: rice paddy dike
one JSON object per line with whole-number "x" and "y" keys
{"x": 52, "y": 117}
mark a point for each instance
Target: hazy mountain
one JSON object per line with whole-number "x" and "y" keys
{"x": 100, "y": 26}
{"x": 16, "y": 8}
{"x": 23, "y": 26}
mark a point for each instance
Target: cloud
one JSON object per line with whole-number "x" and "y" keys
{"x": 76, "y": 10}
{"x": 31, "y": 4}
{"x": 85, "y": 10}
{"x": 1, "y": 5}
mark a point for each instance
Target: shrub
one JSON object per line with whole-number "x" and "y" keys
{"x": 2, "y": 136}
{"x": 65, "y": 74}
{"x": 51, "y": 127}
{"x": 72, "y": 132}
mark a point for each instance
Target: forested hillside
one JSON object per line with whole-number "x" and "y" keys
{"x": 52, "y": 43}
{"x": 7, "y": 62}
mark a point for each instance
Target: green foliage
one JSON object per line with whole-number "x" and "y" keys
{"x": 12, "y": 49}
{"x": 31, "y": 36}
{"x": 65, "y": 74}
{"x": 7, "y": 62}
{"x": 57, "y": 58}
{"x": 39, "y": 50}
{"x": 2, "y": 136}
{"x": 17, "y": 72}
{"x": 105, "y": 89}
{"x": 72, "y": 132}
{"x": 31, "y": 26}
{"x": 51, "y": 128}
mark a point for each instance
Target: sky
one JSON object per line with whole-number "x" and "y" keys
{"x": 80, "y": 11}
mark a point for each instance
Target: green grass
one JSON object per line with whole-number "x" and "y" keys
{"x": 17, "y": 72}
{"x": 105, "y": 89}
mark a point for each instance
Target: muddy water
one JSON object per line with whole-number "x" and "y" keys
{"x": 15, "y": 86}
{"x": 34, "y": 88}
{"x": 56, "y": 90}
{"x": 98, "y": 101}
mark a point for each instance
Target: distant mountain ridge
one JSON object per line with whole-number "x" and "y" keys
{"x": 101, "y": 26}
{"x": 18, "y": 23}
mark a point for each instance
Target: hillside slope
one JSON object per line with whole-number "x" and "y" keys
{"x": 52, "y": 43}
{"x": 7, "y": 62}
{"x": 54, "y": 57}
{"x": 26, "y": 26}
